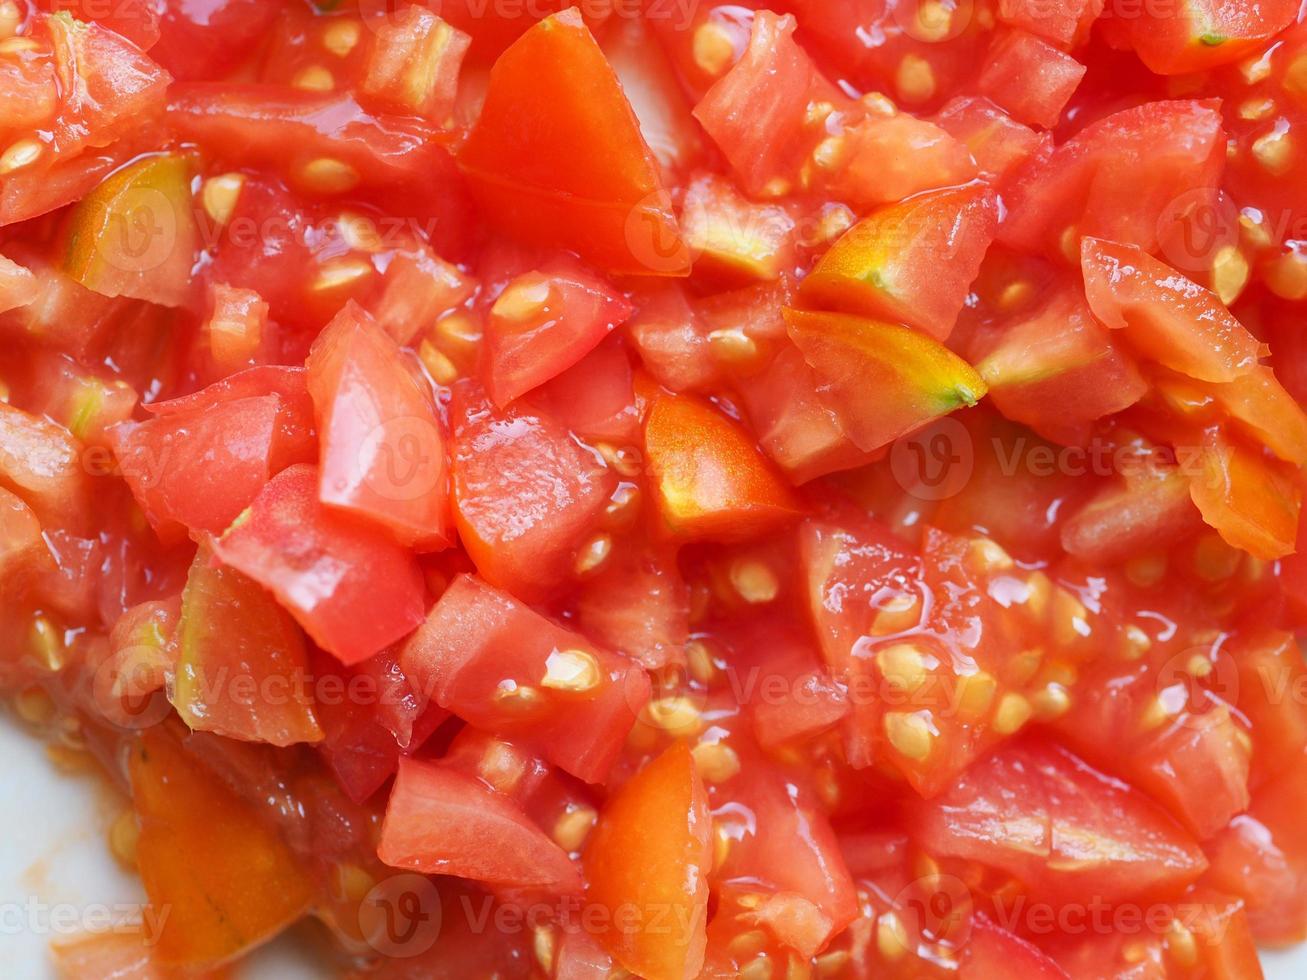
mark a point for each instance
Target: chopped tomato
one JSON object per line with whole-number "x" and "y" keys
{"x": 609, "y": 206}
{"x": 1057, "y": 369}
{"x": 648, "y": 859}
{"x": 413, "y": 65}
{"x": 1199, "y": 34}
{"x": 42, "y": 463}
{"x": 891, "y": 264}
{"x": 709, "y": 480}
{"x": 1252, "y": 501}
{"x": 998, "y": 143}
{"x": 543, "y": 323}
{"x": 1030, "y": 78}
{"x": 916, "y": 379}
{"x": 226, "y": 879}
{"x": 136, "y": 231}
{"x": 198, "y": 469}
{"x": 1167, "y": 318}
{"x": 504, "y": 668}
{"x": 525, "y": 493}
{"x": 383, "y": 455}
{"x": 1044, "y": 816}
{"x": 442, "y": 822}
{"x": 240, "y": 656}
{"x": 321, "y": 565}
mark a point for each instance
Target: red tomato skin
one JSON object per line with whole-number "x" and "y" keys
{"x": 564, "y": 164}
{"x": 544, "y": 323}
{"x": 479, "y": 649}
{"x": 439, "y": 821}
{"x": 383, "y": 453}
{"x": 1030, "y": 78}
{"x": 198, "y": 469}
{"x": 525, "y": 493}
{"x": 322, "y": 566}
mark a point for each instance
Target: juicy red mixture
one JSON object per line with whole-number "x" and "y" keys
{"x": 673, "y": 490}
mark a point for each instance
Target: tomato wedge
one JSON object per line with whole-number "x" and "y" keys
{"x": 911, "y": 262}
{"x": 882, "y": 381}
{"x": 1253, "y": 502}
{"x": 551, "y": 92}
{"x": 647, "y": 860}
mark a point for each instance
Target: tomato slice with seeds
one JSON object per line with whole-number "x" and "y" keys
{"x": 505, "y": 668}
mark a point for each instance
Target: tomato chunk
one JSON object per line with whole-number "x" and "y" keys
{"x": 916, "y": 378}
{"x": 710, "y": 481}
{"x": 442, "y": 822}
{"x": 543, "y": 323}
{"x": 198, "y": 469}
{"x": 242, "y": 666}
{"x": 1029, "y": 78}
{"x": 505, "y": 668}
{"x": 1168, "y": 318}
{"x": 383, "y": 454}
{"x": 227, "y": 880}
{"x": 321, "y": 565}
{"x": 1041, "y": 814}
{"x": 648, "y": 858}
{"x": 522, "y": 162}
{"x": 525, "y": 494}
{"x": 893, "y": 263}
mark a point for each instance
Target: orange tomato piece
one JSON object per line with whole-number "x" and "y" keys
{"x": 556, "y": 157}
{"x": 708, "y": 476}
{"x": 1253, "y": 503}
{"x": 882, "y": 380}
{"x": 226, "y": 877}
{"x": 647, "y": 863}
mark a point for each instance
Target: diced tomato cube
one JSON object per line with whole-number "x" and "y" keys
{"x": 1030, "y": 78}
{"x": 323, "y": 565}
{"x": 502, "y": 667}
